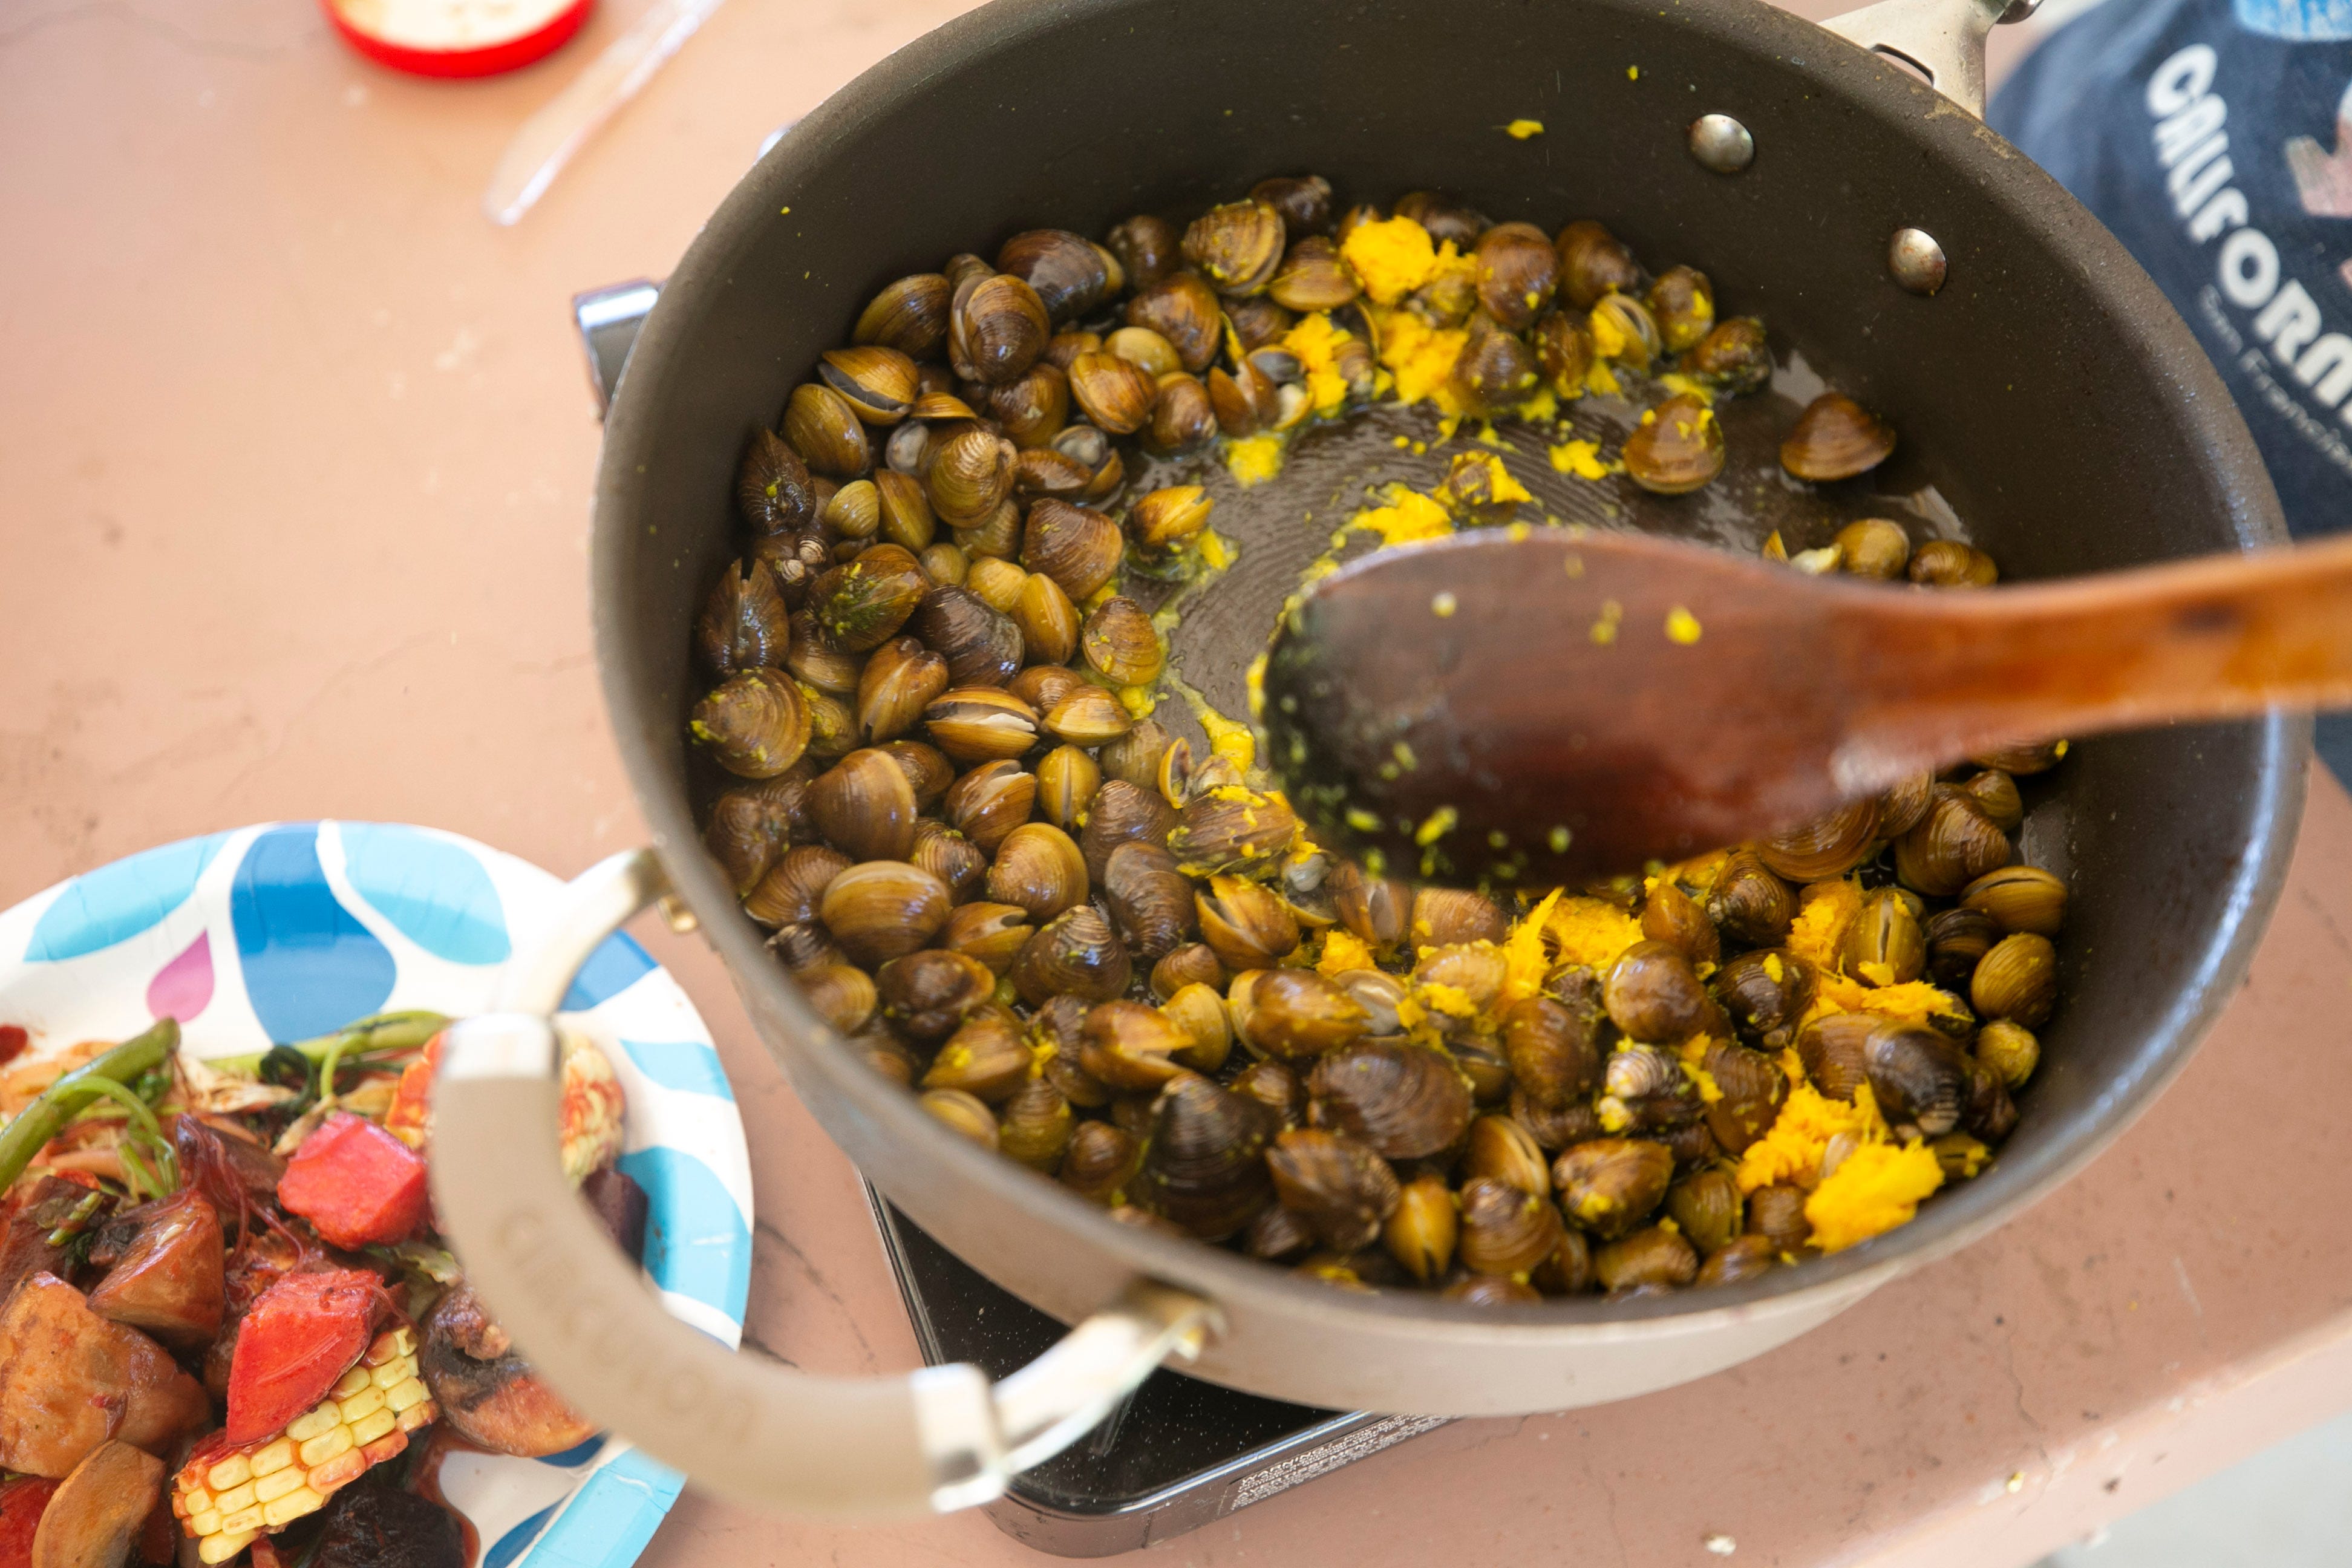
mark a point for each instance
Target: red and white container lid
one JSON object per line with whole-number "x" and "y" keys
{"x": 456, "y": 38}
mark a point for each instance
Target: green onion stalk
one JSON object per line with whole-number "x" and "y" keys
{"x": 29, "y": 1131}
{"x": 383, "y": 1036}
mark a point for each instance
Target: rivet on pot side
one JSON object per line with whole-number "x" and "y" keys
{"x": 1916, "y": 260}
{"x": 1721, "y": 143}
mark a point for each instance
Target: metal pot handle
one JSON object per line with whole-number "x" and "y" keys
{"x": 1943, "y": 40}
{"x": 741, "y": 1425}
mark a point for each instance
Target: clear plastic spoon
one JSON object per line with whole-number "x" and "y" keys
{"x": 550, "y": 138}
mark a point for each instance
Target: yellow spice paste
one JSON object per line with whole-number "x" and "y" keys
{"x": 1316, "y": 341}
{"x": 1824, "y": 911}
{"x": 1252, "y": 460}
{"x": 1390, "y": 257}
{"x": 1409, "y": 518}
{"x": 1343, "y": 950}
{"x": 1590, "y": 932}
{"x": 1791, "y": 1150}
{"x": 1874, "y": 1189}
{"x": 1582, "y": 459}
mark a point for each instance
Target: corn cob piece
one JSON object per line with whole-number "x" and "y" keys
{"x": 225, "y": 1497}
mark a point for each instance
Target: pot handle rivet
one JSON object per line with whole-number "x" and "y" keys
{"x": 1917, "y": 261}
{"x": 1721, "y": 143}
{"x": 743, "y": 1427}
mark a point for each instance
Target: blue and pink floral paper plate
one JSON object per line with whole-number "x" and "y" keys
{"x": 278, "y": 932}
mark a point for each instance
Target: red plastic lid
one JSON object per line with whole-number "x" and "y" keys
{"x": 456, "y": 38}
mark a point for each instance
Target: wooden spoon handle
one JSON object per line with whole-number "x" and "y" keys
{"x": 2215, "y": 638}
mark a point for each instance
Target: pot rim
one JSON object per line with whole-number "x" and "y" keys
{"x": 1905, "y": 108}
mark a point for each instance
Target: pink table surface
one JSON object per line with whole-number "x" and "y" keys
{"x": 296, "y": 454}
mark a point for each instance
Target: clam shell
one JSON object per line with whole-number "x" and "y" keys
{"x": 1518, "y": 271}
{"x": 992, "y": 933}
{"x": 996, "y": 328}
{"x": 1406, "y": 1101}
{"x": 1609, "y": 1186}
{"x": 859, "y": 605}
{"x": 864, "y": 804}
{"x": 1100, "y": 1161}
{"x": 985, "y": 1058}
{"x": 822, "y": 428}
{"x": 1150, "y": 901}
{"x": 840, "y": 993}
{"x": 966, "y": 1115}
{"x": 971, "y": 475}
{"x": 1077, "y": 546}
{"x": 1067, "y": 779}
{"x": 1421, "y": 1232}
{"x": 1592, "y": 261}
{"x": 2016, "y": 981}
{"x": 1205, "y": 1167}
{"x": 1505, "y": 1230}
{"x": 1074, "y": 954}
{"x": 981, "y": 724}
{"x": 1237, "y": 246}
{"x": 877, "y": 381}
{"x": 1555, "y": 1050}
{"x": 981, "y": 646}
{"x": 1916, "y": 1076}
{"x": 1836, "y": 439}
{"x": 1678, "y": 446}
{"x": 772, "y": 486}
{"x": 1752, "y": 1086}
{"x": 1444, "y": 916}
{"x": 1682, "y": 301}
{"x": 1245, "y": 925}
{"x": 990, "y": 801}
{"x": 1833, "y": 1051}
{"x": 1032, "y": 408}
{"x": 927, "y": 996}
{"x": 1749, "y": 904}
{"x": 910, "y": 315}
{"x": 1130, "y": 1046}
{"x": 1114, "y": 394}
{"x": 1502, "y": 1149}
{"x": 751, "y": 825}
{"x": 1066, "y": 270}
{"x": 1122, "y": 814}
{"x": 756, "y": 723}
{"x": 1294, "y": 1014}
{"x": 1120, "y": 643}
{"x": 1829, "y": 845}
{"x": 1183, "y": 309}
{"x": 1034, "y": 1125}
{"x": 1148, "y": 249}
{"x": 794, "y": 889}
{"x": 1955, "y": 845}
{"x": 1656, "y": 1259}
{"x": 1038, "y": 869}
{"x": 880, "y": 910}
{"x": 954, "y": 860}
{"x": 898, "y": 683}
{"x": 1343, "y": 1190}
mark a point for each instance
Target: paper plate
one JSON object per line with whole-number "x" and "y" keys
{"x": 284, "y": 931}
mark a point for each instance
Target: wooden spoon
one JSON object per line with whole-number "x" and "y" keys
{"x": 1564, "y": 705}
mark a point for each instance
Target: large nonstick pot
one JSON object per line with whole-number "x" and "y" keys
{"x": 2046, "y": 391}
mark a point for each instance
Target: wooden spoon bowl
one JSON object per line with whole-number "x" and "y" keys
{"x": 1550, "y": 706}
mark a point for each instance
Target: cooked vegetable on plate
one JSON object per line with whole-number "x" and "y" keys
{"x": 226, "y": 1318}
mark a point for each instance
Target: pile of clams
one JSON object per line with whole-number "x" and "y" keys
{"x": 1123, "y": 965}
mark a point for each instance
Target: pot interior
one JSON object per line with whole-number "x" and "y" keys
{"x": 2051, "y": 409}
